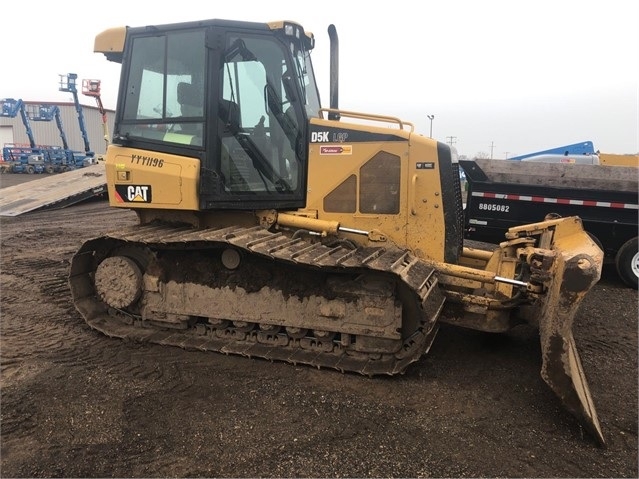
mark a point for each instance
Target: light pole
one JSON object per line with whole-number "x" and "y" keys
{"x": 431, "y": 118}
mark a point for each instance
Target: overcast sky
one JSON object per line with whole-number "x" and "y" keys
{"x": 501, "y": 77}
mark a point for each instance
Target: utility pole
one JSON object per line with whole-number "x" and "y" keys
{"x": 506, "y": 153}
{"x": 451, "y": 140}
{"x": 431, "y": 118}
{"x": 492, "y": 147}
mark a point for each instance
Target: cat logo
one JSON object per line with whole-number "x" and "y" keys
{"x": 133, "y": 193}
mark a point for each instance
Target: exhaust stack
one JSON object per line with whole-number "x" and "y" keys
{"x": 334, "y": 81}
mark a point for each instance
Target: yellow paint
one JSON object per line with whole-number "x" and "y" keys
{"x": 174, "y": 179}
{"x": 618, "y": 160}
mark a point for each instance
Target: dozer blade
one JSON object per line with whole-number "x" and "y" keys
{"x": 576, "y": 268}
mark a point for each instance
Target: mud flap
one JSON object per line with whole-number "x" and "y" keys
{"x": 573, "y": 275}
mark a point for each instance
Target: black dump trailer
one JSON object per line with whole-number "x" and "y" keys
{"x": 505, "y": 193}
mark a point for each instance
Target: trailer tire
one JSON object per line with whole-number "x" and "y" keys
{"x": 627, "y": 263}
{"x": 30, "y": 170}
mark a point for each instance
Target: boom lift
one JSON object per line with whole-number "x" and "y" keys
{"x": 92, "y": 88}
{"x": 57, "y": 159}
{"x": 68, "y": 83}
{"x": 21, "y": 159}
{"x": 11, "y": 108}
{"x": 50, "y": 113}
{"x": 272, "y": 227}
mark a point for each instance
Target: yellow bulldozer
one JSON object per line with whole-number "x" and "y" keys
{"x": 274, "y": 228}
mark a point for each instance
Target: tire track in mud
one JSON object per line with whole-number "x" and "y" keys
{"x": 47, "y": 351}
{"x": 34, "y": 268}
{"x": 54, "y": 331}
{"x": 53, "y": 337}
{"x": 50, "y": 330}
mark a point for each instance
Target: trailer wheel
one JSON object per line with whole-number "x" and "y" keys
{"x": 627, "y": 262}
{"x": 30, "y": 170}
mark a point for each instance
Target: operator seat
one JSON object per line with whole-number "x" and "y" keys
{"x": 229, "y": 113}
{"x": 191, "y": 99}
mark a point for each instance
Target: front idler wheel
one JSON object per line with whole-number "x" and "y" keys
{"x": 118, "y": 281}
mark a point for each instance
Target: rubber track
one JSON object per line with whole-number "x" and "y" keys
{"x": 418, "y": 277}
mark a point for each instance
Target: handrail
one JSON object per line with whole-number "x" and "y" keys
{"x": 368, "y": 116}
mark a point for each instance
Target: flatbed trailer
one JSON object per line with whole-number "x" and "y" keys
{"x": 503, "y": 193}
{"x": 52, "y": 192}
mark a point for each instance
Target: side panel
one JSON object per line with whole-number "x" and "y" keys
{"x": 434, "y": 197}
{"x": 143, "y": 179}
{"x": 357, "y": 176}
{"x": 386, "y": 180}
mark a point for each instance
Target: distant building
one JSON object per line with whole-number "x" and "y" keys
{"x": 13, "y": 131}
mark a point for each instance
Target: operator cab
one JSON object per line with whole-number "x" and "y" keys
{"x": 235, "y": 95}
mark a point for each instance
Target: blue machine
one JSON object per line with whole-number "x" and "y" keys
{"x": 68, "y": 83}
{"x": 21, "y": 159}
{"x": 583, "y": 148}
{"x": 11, "y": 108}
{"x": 49, "y": 113}
{"x": 60, "y": 159}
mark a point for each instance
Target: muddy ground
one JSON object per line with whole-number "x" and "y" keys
{"x": 75, "y": 403}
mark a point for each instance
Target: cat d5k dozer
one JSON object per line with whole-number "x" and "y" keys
{"x": 271, "y": 227}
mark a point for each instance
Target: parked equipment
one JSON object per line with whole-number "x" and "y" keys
{"x": 49, "y": 113}
{"x": 272, "y": 227}
{"x": 20, "y": 158}
{"x": 575, "y": 149}
{"x": 11, "y": 108}
{"x": 68, "y": 83}
{"x": 57, "y": 159}
{"x": 92, "y": 88}
{"x": 586, "y": 159}
{"x": 578, "y": 153}
{"x": 502, "y": 194}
